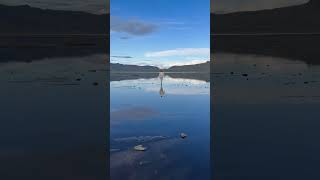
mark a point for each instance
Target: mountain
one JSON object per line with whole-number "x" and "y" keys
{"x": 116, "y": 67}
{"x": 196, "y": 71}
{"x": 29, "y": 20}
{"x": 202, "y": 67}
{"x": 292, "y": 47}
{"x": 295, "y": 19}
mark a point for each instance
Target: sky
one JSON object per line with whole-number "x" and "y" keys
{"x": 163, "y": 33}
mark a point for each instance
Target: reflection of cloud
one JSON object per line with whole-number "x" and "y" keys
{"x": 139, "y": 139}
{"x": 134, "y": 113}
{"x": 124, "y": 37}
{"x": 180, "y": 52}
{"x": 181, "y": 91}
{"x": 123, "y": 161}
{"x": 132, "y": 26}
{"x": 174, "y": 86}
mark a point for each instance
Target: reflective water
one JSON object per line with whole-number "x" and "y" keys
{"x": 266, "y": 117}
{"x": 153, "y": 112}
{"x": 53, "y": 119}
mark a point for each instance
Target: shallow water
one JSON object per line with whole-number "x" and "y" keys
{"x": 154, "y": 113}
{"x": 53, "y": 116}
{"x": 266, "y": 117}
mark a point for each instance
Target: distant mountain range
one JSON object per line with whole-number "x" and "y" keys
{"x": 132, "y": 68}
{"x": 29, "y": 20}
{"x": 128, "y": 72}
{"x": 202, "y": 67}
{"x": 295, "y": 19}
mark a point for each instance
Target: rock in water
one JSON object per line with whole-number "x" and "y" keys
{"x": 183, "y": 135}
{"x": 142, "y": 163}
{"x": 140, "y": 148}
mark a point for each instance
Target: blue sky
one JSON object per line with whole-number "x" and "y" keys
{"x": 160, "y": 32}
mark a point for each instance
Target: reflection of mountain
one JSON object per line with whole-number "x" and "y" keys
{"x": 126, "y": 72}
{"x": 294, "y": 47}
{"x": 295, "y": 19}
{"x": 202, "y": 67}
{"x": 131, "y": 76}
{"x": 28, "y": 54}
{"x": 29, "y": 20}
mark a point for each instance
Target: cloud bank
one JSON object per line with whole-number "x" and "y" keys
{"x": 133, "y": 26}
{"x": 180, "y": 52}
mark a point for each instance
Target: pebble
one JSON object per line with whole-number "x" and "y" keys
{"x": 183, "y": 135}
{"x": 140, "y": 148}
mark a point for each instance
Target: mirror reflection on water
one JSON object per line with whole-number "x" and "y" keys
{"x": 153, "y": 112}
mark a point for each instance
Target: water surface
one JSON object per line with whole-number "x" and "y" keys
{"x": 153, "y": 112}
{"x": 265, "y": 112}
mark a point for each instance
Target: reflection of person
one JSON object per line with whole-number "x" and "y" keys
{"x": 161, "y": 76}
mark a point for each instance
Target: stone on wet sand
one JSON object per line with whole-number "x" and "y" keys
{"x": 140, "y": 148}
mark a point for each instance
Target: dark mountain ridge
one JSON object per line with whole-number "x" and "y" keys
{"x": 116, "y": 67}
{"x": 29, "y": 20}
{"x": 202, "y": 67}
{"x": 128, "y": 72}
{"x": 294, "y": 19}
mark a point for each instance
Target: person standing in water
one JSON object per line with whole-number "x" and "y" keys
{"x": 161, "y": 76}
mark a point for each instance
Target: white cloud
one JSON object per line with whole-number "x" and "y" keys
{"x": 158, "y": 63}
{"x": 180, "y": 52}
{"x": 167, "y": 64}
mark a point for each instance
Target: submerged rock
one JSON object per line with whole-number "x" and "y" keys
{"x": 183, "y": 135}
{"x": 142, "y": 163}
{"x": 140, "y": 148}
